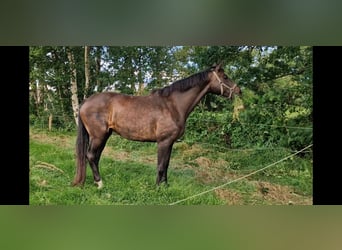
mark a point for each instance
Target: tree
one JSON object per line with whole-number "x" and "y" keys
{"x": 86, "y": 71}
{"x": 276, "y": 82}
{"x": 73, "y": 84}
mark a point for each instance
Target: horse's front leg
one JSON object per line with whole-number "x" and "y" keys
{"x": 164, "y": 154}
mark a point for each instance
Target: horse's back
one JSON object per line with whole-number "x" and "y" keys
{"x": 102, "y": 103}
{"x": 100, "y": 98}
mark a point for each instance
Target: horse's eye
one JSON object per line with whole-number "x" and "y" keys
{"x": 225, "y": 77}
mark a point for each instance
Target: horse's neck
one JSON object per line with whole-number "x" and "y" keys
{"x": 185, "y": 102}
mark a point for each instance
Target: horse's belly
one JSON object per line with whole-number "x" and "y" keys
{"x": 141, "y": 131}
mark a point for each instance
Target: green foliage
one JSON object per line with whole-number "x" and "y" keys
{"x": 276, "y": 82}
{"x": 277, "y": 95}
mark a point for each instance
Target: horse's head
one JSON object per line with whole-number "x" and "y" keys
{"x": 220, "y": 83}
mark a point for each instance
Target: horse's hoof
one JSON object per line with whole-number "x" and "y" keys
{"x": 99, "y": 184}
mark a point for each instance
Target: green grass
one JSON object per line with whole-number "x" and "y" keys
{"x": 128, "y": 170}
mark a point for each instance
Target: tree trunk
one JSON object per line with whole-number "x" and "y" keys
{"x": 50, "y": 122}
{"x": 73, "y": 84}
{"x": 98, "y": 67}
{"x": 140, "y": 74}
{"x": 86, "y": 71}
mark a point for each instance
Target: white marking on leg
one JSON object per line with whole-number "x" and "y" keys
{"x": 99, "y": 184}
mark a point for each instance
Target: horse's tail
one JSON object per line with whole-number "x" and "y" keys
{"x": 82, "y": 143}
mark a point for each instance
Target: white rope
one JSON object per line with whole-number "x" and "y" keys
{"x": 245, "y": 176}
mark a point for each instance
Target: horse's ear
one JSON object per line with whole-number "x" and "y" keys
{"x": 218, "y": 66}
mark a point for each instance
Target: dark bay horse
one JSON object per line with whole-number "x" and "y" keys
{"x": 158, "y": 117}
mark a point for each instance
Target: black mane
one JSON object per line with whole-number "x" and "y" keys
{"x": 198, "y": 79}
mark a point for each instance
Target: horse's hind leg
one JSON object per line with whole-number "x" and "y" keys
{"x": 96, "y": 146}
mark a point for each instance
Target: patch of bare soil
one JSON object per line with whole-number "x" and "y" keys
{"x": 118, "y": 155}
{"x": 279, "y": 195}
{"x": 209, "y": 170}
{"x": 63, "y": 141}
{"x": 204, "y": 162}
{"x": 122, "y": 155}
{"x": 189, "y": 151}
{"x": 266, "y": 193}
{"x": 213, "y": 170}
{"x": 231, "y": 197}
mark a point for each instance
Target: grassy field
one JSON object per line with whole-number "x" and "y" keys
{"x": 128, "y": 170}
